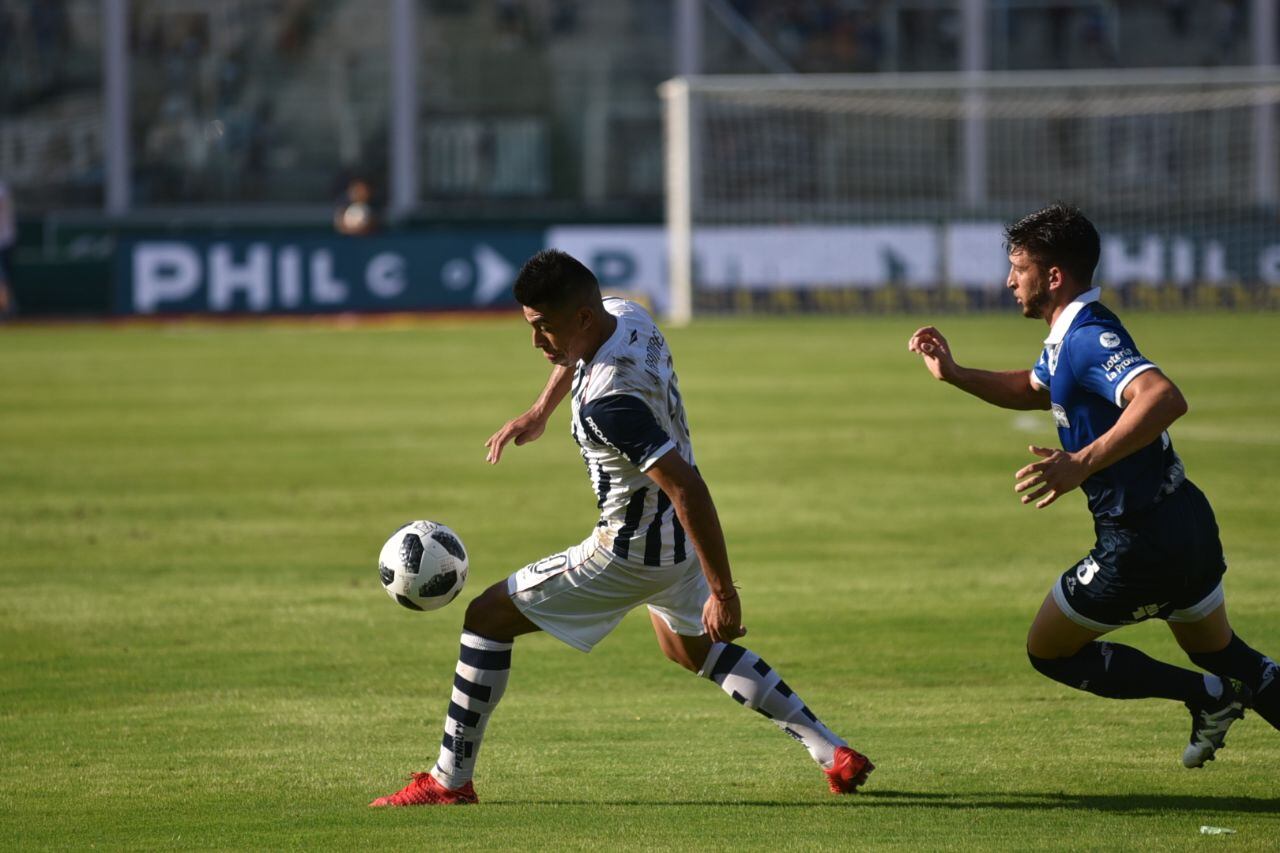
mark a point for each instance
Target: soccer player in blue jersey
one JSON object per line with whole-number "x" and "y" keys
{"x": 658, "y": 541}
{"x": 1157, "y": 552}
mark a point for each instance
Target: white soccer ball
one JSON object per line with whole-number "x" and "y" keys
{"x": 423, "y": 565}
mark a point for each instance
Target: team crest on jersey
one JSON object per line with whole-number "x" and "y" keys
{"x": 1110, "y": 340}
{"x": 1060, "y": 416}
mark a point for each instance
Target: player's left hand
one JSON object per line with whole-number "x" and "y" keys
{"x": 1057, "y": 473}
{"x": 523, "y": 429}
{"x": 723, "y": 619}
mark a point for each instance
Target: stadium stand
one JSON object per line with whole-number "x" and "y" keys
{"x": 280, "y": 102}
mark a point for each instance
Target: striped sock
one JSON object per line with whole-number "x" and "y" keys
{"x": 478, "y": 683}
{"x": 751, "y": 682}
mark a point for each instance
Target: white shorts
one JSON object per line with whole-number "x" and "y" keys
{"x": 581, "y": 594}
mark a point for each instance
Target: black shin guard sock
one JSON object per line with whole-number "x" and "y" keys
{"x": 1122, "y": 672}
{"x": 1259, "y": 673}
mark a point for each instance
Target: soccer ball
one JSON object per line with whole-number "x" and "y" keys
{"x": 423, "y": 565}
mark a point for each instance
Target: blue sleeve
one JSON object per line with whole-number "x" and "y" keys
{"x": 627, "y": 425}
{"x": 1040, "y": 373}
{"x": 1105, "y": 360}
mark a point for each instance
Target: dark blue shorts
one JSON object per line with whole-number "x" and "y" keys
{"x": 1164, "y": 562}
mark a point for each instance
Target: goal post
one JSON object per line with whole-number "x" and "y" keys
{"x": 815, "y": 191}
{"x": 678, "y": 188}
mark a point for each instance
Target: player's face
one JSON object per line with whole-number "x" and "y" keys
{"x": 560, "y": 335}
{"x": 1029, "y": 282}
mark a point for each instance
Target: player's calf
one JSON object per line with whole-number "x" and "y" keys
{"x": 1255, "y": 670}
{"x": 754, "y": 684}
{"x": 1122, "y": 672}
{"x": 688, "y": 652}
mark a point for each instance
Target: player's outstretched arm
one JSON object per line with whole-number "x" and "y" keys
{"x": 1009, "y": 389}
{"x": 722, "y": 614}
{"x": 530, "y": 425}
{"x": 1152, "y": 404}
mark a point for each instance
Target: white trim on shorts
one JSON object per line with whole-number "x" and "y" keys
{"x": 1194, "y": 613}
{"x": 1201, "y": 608}
{"x": 1060, "y": 598}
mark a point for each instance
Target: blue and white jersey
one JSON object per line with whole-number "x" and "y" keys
{"x": 627, "y": 414}
{"x": 1087, "y": 362}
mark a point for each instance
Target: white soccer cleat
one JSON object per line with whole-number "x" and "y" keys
{"x": 1209, "y": 724}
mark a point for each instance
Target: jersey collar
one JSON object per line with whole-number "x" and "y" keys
{"x": 1059, "y": 329}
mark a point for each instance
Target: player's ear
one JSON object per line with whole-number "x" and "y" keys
{"x": 1056, "y": 279}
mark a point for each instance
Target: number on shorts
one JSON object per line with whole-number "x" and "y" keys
{"x": 1086, "y": 570}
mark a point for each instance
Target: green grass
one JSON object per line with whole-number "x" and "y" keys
{"x": 195, "y": 652}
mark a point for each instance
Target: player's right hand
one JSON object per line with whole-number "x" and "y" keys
{"x": 722, "y": 619}
{"x": 934, "y": 349}
{"x": 524, "y": 429}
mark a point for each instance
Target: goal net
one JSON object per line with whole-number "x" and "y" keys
{"x": 861, "y": 192}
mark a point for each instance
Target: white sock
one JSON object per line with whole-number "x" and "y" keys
{"x": 478, "y": 683}
{"x": 751, "y": 682}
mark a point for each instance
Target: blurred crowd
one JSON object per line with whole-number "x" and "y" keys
{"x": 282, "y": 100}
{"x": 37, "y": 41}
{"x": 835, "y": 36}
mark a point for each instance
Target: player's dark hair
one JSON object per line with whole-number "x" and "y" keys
{"x": 553, "y": 279}
{"x": 1057, "y": 236}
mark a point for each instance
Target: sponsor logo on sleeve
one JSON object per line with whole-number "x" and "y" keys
{"x": 1060, "y": 416}
{"x": 599, "y": 433}
{"x": 1110, "y": 340}
{"x": 1118, "y": 362}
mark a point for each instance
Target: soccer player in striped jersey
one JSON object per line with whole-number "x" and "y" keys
{"x": 1157, "y": 553}
{"x": 658, "y": 541}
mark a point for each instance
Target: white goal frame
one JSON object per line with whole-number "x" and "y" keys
{"x": 681, "y": 100}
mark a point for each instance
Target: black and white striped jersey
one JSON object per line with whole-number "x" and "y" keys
{"x": 627, "y": 414}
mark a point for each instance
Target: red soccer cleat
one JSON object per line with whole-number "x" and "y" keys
{"x": 849, "y": 770}
{"x": 424, "y": 790}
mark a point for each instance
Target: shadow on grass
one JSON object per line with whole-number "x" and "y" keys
{"x": 1031, "y": 801}
{"x": 1119, "y": 803}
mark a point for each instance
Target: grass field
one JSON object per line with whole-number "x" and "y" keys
{"x": 195, "y": 651}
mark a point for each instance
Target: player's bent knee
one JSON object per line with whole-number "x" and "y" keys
{"x": 473, "y": 619}
{"x": 1050, "y": 645}
{"x": 487, "y": 613}
{"x": 1038, "y": 648}
{"x": 1054, "y": 668}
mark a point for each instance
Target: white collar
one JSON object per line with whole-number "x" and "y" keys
{"x": 1059, "y": 329}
